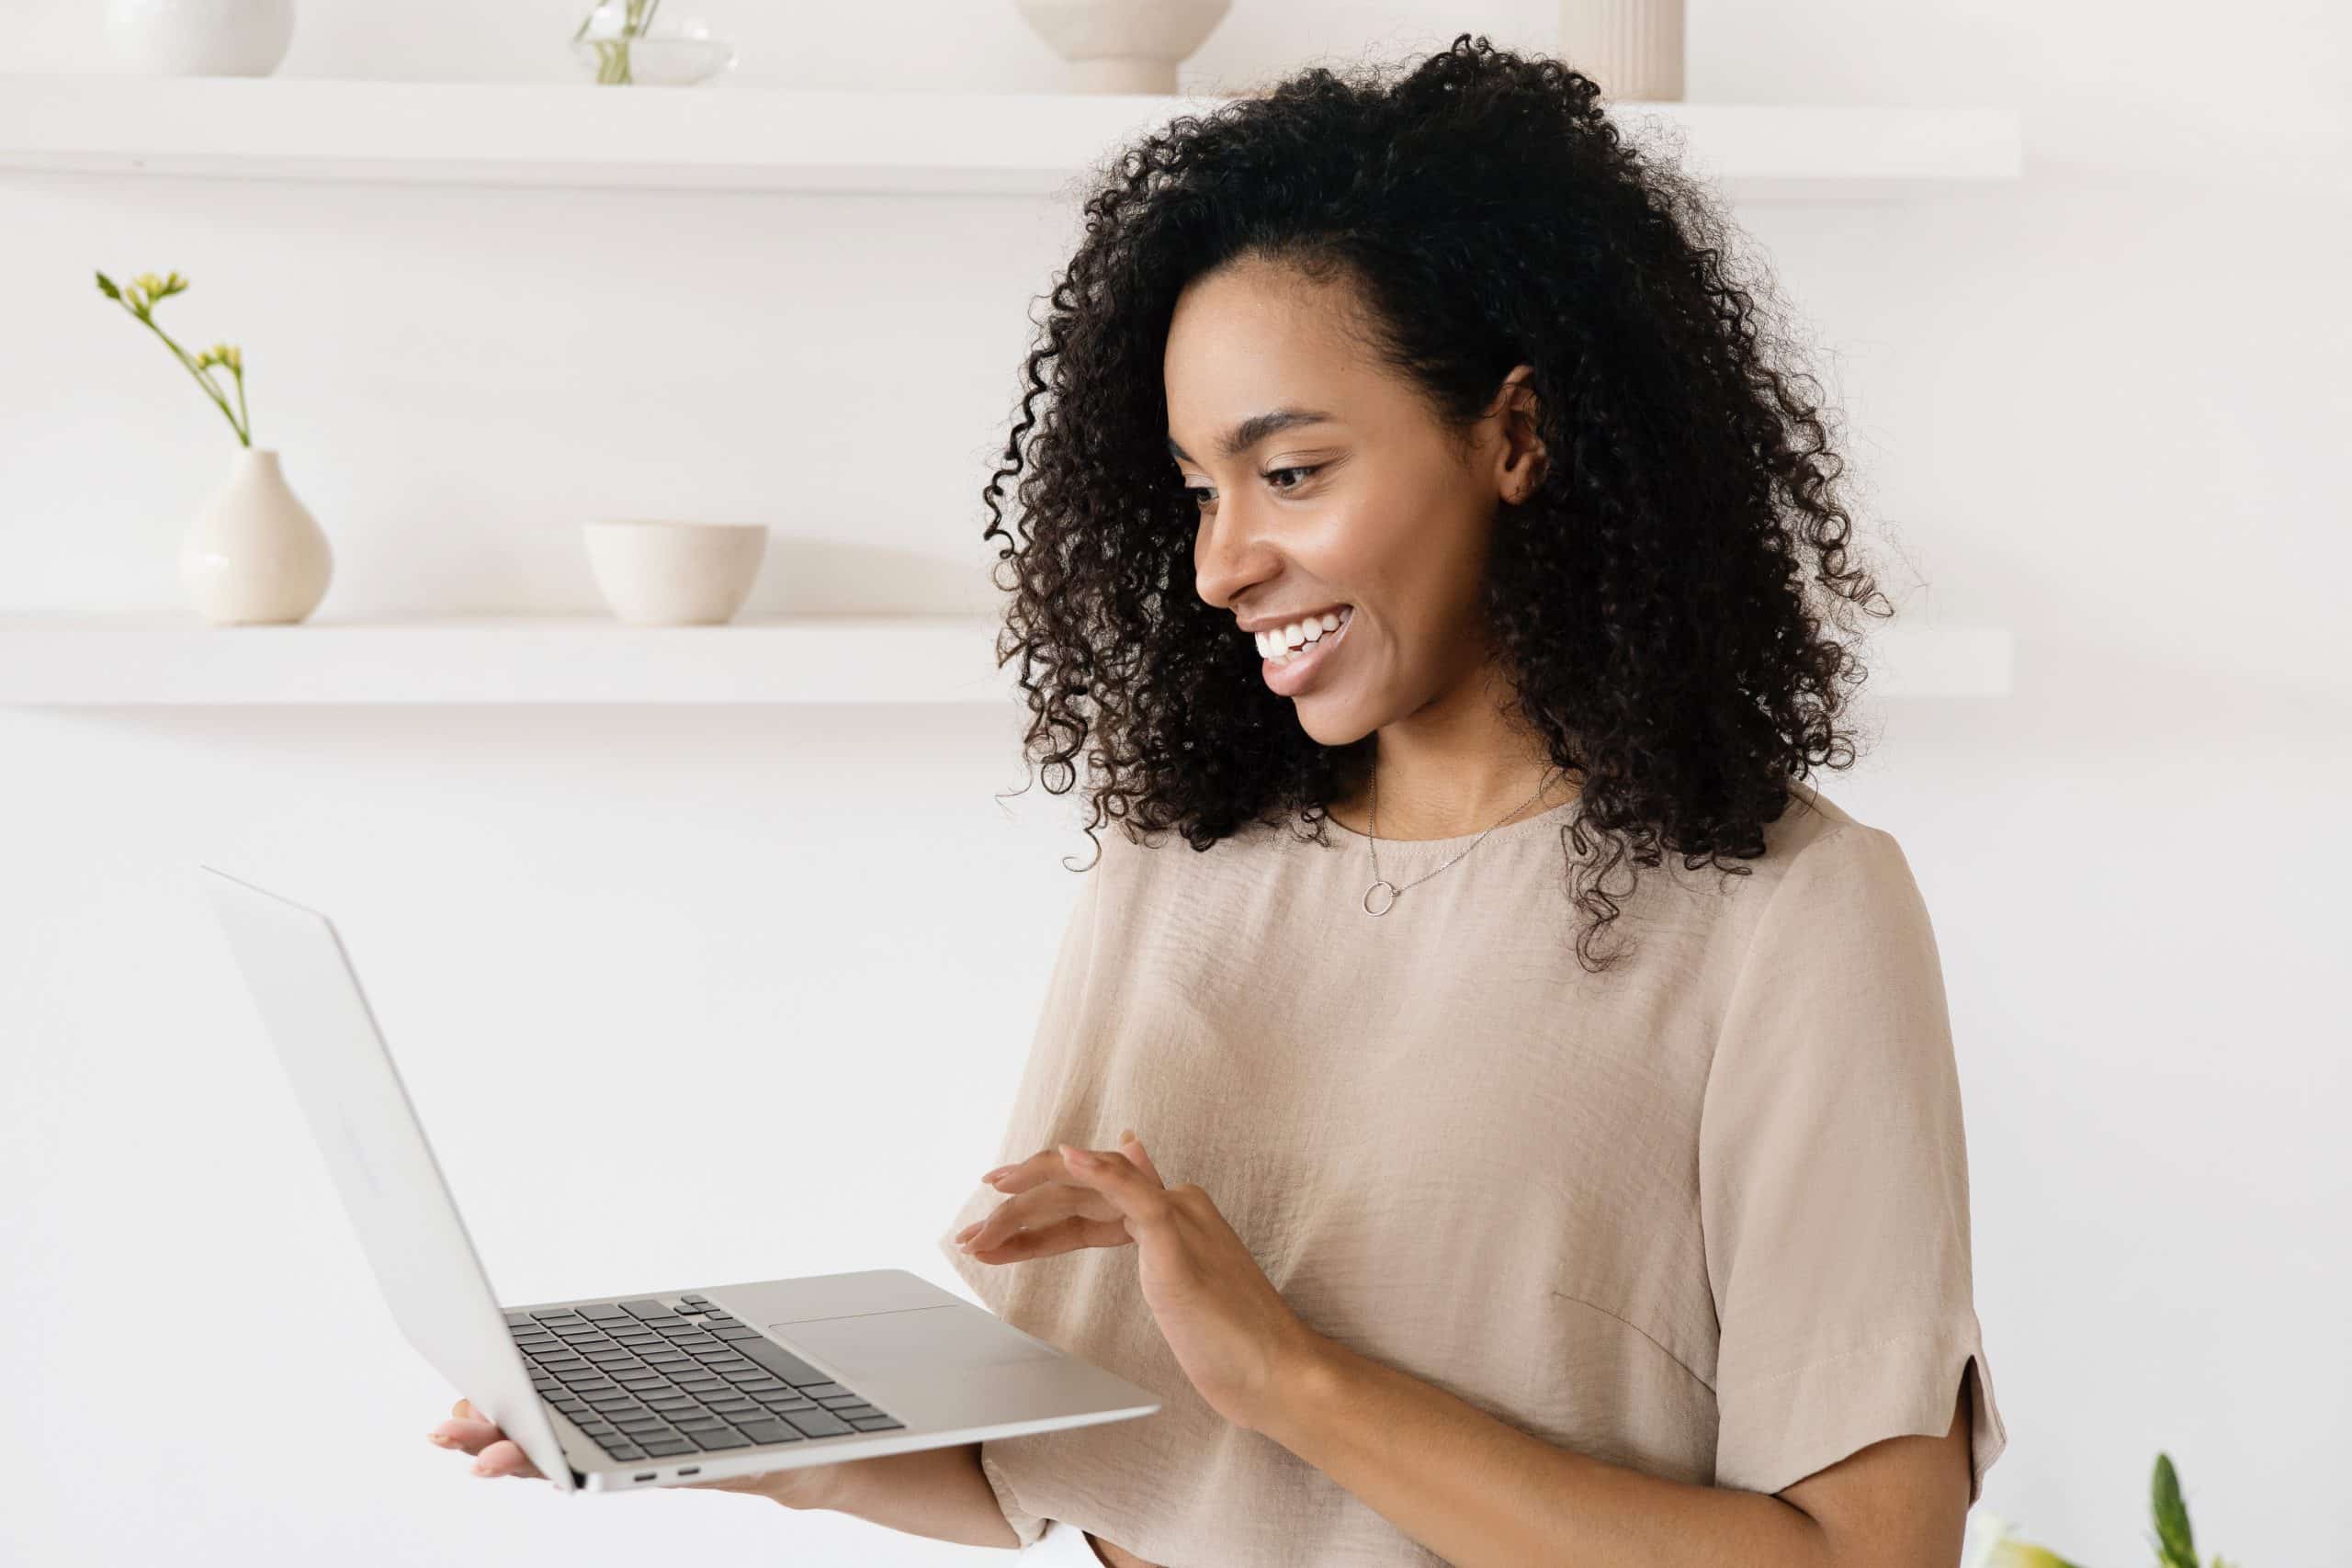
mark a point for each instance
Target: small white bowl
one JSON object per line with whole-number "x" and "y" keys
{"x": 674, "y": 574}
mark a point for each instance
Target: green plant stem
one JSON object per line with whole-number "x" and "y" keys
{"x": 244, "y": 437}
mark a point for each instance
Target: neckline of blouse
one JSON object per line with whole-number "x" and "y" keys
{"x": 1549, "y": 821}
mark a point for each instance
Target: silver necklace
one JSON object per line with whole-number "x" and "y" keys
{"x": 1395, "y": 892}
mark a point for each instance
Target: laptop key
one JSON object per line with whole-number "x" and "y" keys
{"x": 725, "y": 1438}
{"x": 766, "y": 1430}
{"x": 662, "y": 1447}
{"x": 874, "y": 1423}
{"x": 817, "y": 1423}
{"x": 645, "y": 1306}
{"x": 779, "y": 1360}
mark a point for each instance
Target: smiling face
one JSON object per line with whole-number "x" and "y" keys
{"x": 1350, "y": 494}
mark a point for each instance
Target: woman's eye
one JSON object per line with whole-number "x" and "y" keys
{"x": 1200, "y": 493}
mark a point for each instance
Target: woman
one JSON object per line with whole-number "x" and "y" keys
{"x": 1419, "y": 529}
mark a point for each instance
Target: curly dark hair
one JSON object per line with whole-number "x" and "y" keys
{"x": 1649, "y": 593}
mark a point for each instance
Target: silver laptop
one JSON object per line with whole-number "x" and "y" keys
{"x": 646, "y": 1388}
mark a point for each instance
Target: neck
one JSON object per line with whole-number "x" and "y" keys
{"x": 1436, "y": 782}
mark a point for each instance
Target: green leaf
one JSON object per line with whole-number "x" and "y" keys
{"x": 2173, "y": 1538}
{"x": 107, "y": 288}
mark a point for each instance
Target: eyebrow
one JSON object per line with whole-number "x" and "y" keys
{"x": 1254, "y": 429}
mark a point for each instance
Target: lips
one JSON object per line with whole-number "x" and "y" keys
{"x": 1305, "y": 667}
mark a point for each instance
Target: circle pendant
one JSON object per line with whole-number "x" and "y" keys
{"x": 1386, "y": 904}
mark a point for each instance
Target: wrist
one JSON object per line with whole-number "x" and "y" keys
{"x": 809, "y": 1487}
{"x": 1304, "y": 1379}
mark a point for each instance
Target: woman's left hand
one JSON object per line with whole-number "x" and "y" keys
{"x": 1230, "y": 1329}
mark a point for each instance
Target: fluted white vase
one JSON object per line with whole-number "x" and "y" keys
{"x": 254, "y": 555}
{"x": 1632, "y": 48}
{"x": 1123, "y": 46}
{"x": 201, "y": 37}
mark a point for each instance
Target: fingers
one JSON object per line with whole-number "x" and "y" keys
{"x": 502, "y": 1458}
{"x": 494, "y": 1453}
{"x": 1132, "y": 1146}
{"x": 471, "y": 1436}
{"x": 1039, "y": 1169}
{"x": 1061, "y": 1235}
{"x": 1044, "y": 1206}
{"x": 1048, "y": 1164}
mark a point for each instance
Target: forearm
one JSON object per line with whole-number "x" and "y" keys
{"x": 1482, "y": 1494}
{"x": 934, "y": 1491}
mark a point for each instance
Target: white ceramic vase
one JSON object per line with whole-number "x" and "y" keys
{"x": 1632, "y": 48}
{"x": 674, "y": 574}
{"x": 1123, "y": 46}
{"x": 201, "y": 37}
{"x": 254, "y": 555}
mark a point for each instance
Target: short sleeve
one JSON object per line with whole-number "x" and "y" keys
{"x": 1833, "y": 1173}
{"x": 1027, "y": 1525}
{"x": 1048, "y": 1060}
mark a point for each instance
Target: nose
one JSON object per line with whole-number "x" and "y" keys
{"x": 1230, "y": 552}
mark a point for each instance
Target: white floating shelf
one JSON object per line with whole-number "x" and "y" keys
{"x": 52, "y": 660}
{"x": 728, "y": 138}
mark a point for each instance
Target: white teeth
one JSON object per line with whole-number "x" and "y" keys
{"x": 1285, "y": 643}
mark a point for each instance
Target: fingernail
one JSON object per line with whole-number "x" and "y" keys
{"x": 965, "y": 1233}
{"x": 1129, "y": 1136}
{"x": 992, "y": 1175}
{"x": 482, "y": 1470}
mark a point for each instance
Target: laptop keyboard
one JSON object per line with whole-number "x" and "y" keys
{"x": 644, "y": 1378}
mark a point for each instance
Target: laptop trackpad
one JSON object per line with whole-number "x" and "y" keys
{"x": 887, "y": 1341}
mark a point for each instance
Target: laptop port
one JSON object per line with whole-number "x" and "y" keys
{"x": 648, "y": 1475}
{"x": 691, "y": 1470}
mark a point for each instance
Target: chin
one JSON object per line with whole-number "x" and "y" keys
{"x": 1330, "y": 723}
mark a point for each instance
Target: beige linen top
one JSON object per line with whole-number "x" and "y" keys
{"x": 1705, "y": 1217}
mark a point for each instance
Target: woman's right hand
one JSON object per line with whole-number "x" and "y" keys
{"x": 496, "y": 1454}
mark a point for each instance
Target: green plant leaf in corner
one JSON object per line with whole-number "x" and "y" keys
{"x": 2175, "y": 1545}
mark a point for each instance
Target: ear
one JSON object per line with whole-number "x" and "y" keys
{"x": 1523, "y": 462}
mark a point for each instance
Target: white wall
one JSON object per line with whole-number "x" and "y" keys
{"x": 2103, "y": 405}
